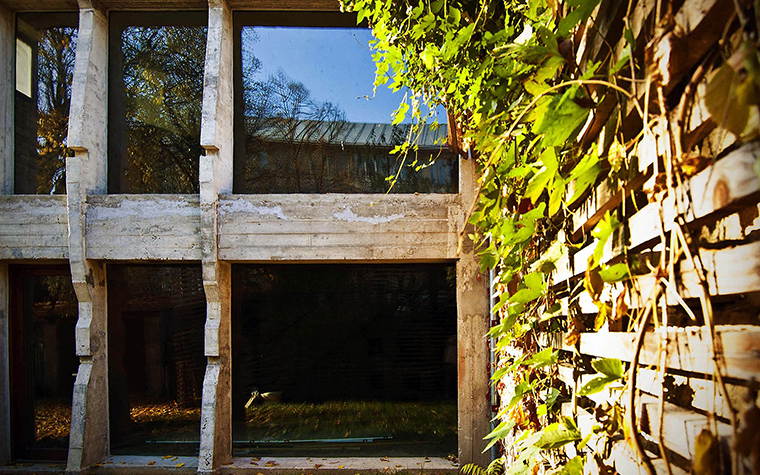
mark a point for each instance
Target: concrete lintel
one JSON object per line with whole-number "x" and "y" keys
{"x": 7, "y": 91}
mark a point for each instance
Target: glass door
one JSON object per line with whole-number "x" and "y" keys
{"x": 43, "y": 361}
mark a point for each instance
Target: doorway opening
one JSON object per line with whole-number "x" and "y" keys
{"x": 43, "y": 361}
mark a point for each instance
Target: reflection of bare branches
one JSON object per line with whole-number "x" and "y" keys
{"x": 296, "y": 144}
{"x": 163, "y": 81}
{"x": 55, "y": 70}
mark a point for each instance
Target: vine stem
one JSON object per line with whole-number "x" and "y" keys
{"x": 505, "y": 136}
{"x": 631, "y": 412}
{"x": 715, "y": 339}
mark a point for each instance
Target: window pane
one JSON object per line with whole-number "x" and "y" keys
{"x": 156, "y": 91}
{"x": 335, "y": 358}
{"x": 43, "y": 361}
{"x": 156, "y": 361}
{"x": 45, "y": 49}
{"x": 308, "y": 121}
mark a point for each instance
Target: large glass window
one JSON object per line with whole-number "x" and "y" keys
{"x": 307, "y": 120}
{"x": 156, "y": 361}
{"x": 155, "y": 96}
{"x": 344, "y": 359}
{"x": 45, "y": 49}
{"x": 43, "y": 360}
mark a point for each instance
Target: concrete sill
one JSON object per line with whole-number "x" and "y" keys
{"x": 139, "y": 464}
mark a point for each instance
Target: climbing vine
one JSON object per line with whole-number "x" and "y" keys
{"x": 521, "y": 106}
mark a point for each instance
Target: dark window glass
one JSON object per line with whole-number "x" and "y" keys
{"x": 156, "y": 362}
{"x": 45, "y": 48}
{"x": 336, "y": 359}
{"x": 43, "y": 360}
{"x": 307, "y": 120}
{"x": 156, "y": 90}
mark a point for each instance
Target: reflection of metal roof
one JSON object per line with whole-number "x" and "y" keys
{"x": 348, "y": 133}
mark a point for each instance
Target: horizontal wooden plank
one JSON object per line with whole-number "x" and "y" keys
{"x": 688, "y": 349}
{"x": 729, "y": 185}
{"x": 680, "y": 427}
{"x": 702, "y": 394}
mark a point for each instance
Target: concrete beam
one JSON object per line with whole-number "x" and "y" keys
{"x": 33, "y": 227}
{"x": 7, "y": 91}
{"x": 338, "y": 227}
{"x": 86, "y": 174}
{"x": 145, "y": 227}
{"x": 473, "y": 312}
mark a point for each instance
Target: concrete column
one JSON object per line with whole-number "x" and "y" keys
{"x": 5, "y": 407}
{"x": 86, "y": 175}
{"x": 7, "y": 91}
{"x": 215, "y": 178}
{"x": 472, "y": 350}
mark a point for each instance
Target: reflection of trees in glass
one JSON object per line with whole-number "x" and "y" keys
{"x": 296, "y": 144}
{"x": 55, "y": 70}
{"x": 163, "y": 81}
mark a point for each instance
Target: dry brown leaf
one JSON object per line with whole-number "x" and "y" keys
{"x": 152, "y": 462}
{"x": 706, "y": 457}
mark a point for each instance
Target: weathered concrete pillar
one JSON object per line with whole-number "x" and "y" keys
{"x": 5, "y": 423}
{"x": 215, "y": 178}
{"x": 86, "y": 175}
{"x": 7, "y": 91}
{"x": 472, "y": 350}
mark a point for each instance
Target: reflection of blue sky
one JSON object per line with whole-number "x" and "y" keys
{"x": 335, "y": 65}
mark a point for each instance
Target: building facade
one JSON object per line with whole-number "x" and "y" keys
{"x": 125, "y": 268}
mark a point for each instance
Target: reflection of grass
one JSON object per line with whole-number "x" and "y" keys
{"x": 52, "y": 419}
{"x": 276, "y": 421}
{"x": 157, "y": 420}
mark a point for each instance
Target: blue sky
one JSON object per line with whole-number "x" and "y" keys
{"x": 335, "y": 64}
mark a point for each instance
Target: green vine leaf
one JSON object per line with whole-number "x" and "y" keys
{"x": 558, "y": 435}
{"x": 614, "y": 273}
{"x": 609, "y": 370}
{"x": 543, "y": 358}
{"x": 581, "y": 11}
{"x": 574, "y": 466}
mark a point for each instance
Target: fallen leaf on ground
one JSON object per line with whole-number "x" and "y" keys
{"x": 181, "y": 464}
{"x": 152, "y": 462}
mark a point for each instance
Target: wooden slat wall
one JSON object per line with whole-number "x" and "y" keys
{"x": 718, "y": 206}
